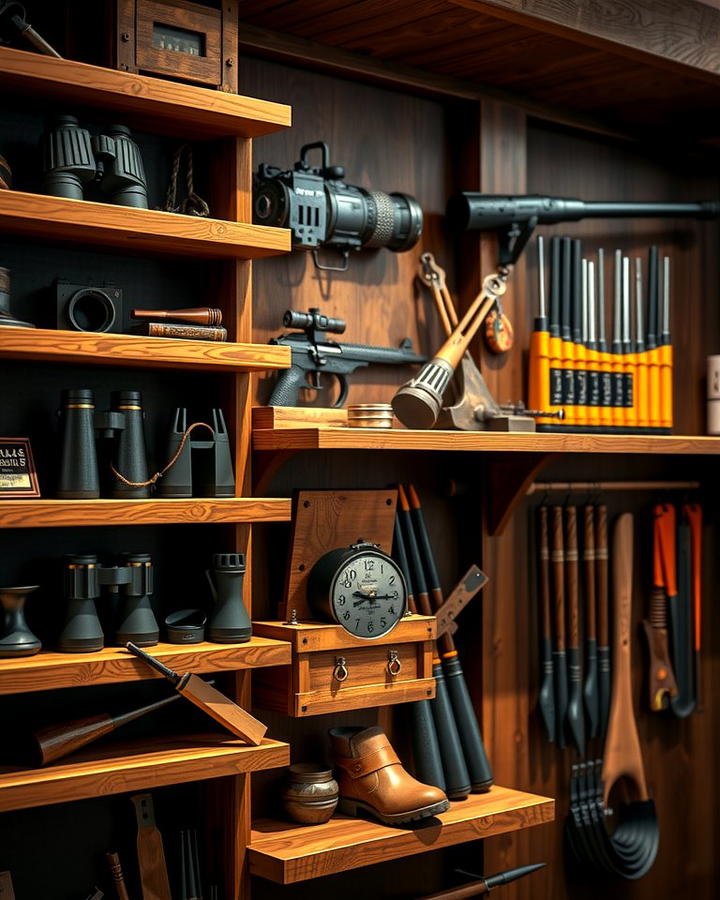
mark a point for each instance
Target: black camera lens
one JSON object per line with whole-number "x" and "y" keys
{"x": 91, "y": 310}
{"x": 398, "y": 221}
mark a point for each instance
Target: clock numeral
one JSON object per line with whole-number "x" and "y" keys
{"x": 391, "y": 580}
{"x": 347, "y": 583}
{"x": 370, "y": 627}
{"x": 394, "y": 595}
{"x": 357, "y": 624}
{"x": 391, "y": 611}
{"x": 383, "y": 622}
{"x": 382, "y": 568}
{"x": 369, "y": 564}
{"x": 341, "y": 600}
{"x": 351, "y": 574}
{"x": 346, "y": 615}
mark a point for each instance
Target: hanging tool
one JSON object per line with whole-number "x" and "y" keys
{"x": 481, "y": 777}
{"x": 653, "y": 336}
{"x": 575, "y": 713}
{"x": 498, "y": 331}
{"x": 472, "y": 406}
{"x": 666, "y": 354}
{"x": 151, "y": 855}
{"x": 457, "y": 778}
{"x": 592, "y": 354}
{"x": 485, "y": 884}
{"x": 542, "y": 365}
{"x": 557, "y": 559}
{"x": 209, "y": 700}
{"x": 693, "y": 514}
{"x": 601, "y": 572}
{"x": 116, "y": 872}
{"x": 546, "y": 699}
{"x": 680, "y": 608}
{"x": 662, "y": 684}
{"x": 426, "y": 750}
{"x": 641, "y": 389}
{"x": 590, "y": 689}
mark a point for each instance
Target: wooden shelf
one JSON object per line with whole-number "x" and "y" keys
{"x": 136, "y": 765}
{"x": 180, "y": 110}
{"x": 333, "y": 438}
{"x": 42, "y": 217}
{"x": 50, "y": 345}
{"x": 50, "y": 670}
{"x": 79, "y": 513}
{"x": 287, "y": 853}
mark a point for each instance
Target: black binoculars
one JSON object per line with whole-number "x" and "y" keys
{"x": 229, "y": 622}
{"x": 73, "y": 159}
{"x": 79, "y": 471}
{"x": 131, "y": 581}
{"x": 203, "y": 468}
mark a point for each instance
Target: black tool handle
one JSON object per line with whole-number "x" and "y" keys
{"x": 546, "y": 700}
{"x": 457, "y": 778}
{"x": 683, "y": 703}
{"x": 425, "y": 746}
{"x": 154, "y": 663}
{"x": 557, "y": 558}
{"x": 481, "y": 776}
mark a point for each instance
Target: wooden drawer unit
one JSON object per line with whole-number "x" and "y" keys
{"x": 331, "y": 671}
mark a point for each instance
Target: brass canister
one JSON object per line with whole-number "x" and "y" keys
{"x": 311, "y": 794}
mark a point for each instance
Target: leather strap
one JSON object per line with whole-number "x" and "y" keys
{"x": 357, "y": 767}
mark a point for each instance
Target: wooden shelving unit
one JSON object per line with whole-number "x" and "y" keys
{"x": 287, "y": 853}
{"x": 92, "y": 348}
{"x": 39, "y": 216}
{"x": 340, "y": 438}
{"x": 83, "y": 513}
{"x": 177, "y": 109}
{"x": 136, "y": 765}
{"x": 50, "y": 670}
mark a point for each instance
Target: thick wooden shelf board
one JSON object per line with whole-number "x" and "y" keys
{"x": 176, "y": 109}
{"x": 136, "y": 765}
{"x": 50, "y": 345}
{"x": 330, "y": 438}
{"x": 77, "y": 513}
{"x": 49, "y": 670}
{"x": 136, "y": 230}
{"x": 286, "y": 853}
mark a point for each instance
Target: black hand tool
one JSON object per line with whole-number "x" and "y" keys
{"x": 457, "y": 778}
{"x": 683, "y": 703}
{"x": 603, "y": 653}
{"x": 590, "y": 689}
{"x": 575, "y": 713}
{"x": 484, "y": 885}
{"x": 481, "y": 776}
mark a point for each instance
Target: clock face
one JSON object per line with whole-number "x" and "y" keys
{"x": 368, "y": 595}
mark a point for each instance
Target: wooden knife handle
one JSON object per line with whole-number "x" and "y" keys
{"x": 571, "y": 576}
{"x": 589, "y": 565}
{"x": 544, "y": 567}
{"x": 601, "y": 572}
{"x": 557, "y": 558}
{"x": 117, "y": 875}
{"x": 623, "y": 757}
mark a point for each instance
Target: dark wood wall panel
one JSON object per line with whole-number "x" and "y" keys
{"x": 387, "y": 141}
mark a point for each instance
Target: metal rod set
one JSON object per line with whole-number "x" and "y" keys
{"x": 595, "y": 487}
{"x": 623, "y": 386}
{"x": 447, "y": 745}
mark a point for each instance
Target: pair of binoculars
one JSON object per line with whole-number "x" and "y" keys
{"x": 72, "y": 160}
{"x": 131, "y": 581}
{"x": 124, "y": 422}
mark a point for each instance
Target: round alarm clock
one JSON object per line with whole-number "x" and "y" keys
{"x": 360, "y": 588}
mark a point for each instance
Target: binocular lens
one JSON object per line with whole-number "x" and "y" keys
{"x": 73, "y": 396}
{"x": 91, "y": 310}
{"x": 77, "y": 560}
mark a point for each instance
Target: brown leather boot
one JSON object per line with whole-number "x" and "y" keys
{"x": 372, "y": 779}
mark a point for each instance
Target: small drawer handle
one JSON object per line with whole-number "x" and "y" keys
{"x": 394, "y": 665}
{"x": 340, "y": 672}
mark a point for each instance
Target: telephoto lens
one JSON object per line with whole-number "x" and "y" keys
{"x": 68, "y": 161}
{"x": 120, "y": 167}
{"x": 136, "y": 620}
{"x": 81, "y": 631}
{"x": 79, "y": 477}
{"x": 129, "y": 458}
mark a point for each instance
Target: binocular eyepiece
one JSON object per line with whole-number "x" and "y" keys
{"x": 73, "y": 159}
{"x": 131, "y": 581}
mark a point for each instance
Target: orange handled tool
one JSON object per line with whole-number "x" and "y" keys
{"x": 661, "y": 677}
{"x": 693, "y": 513}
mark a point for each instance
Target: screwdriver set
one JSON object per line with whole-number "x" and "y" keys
{"x": 621, "y": 386}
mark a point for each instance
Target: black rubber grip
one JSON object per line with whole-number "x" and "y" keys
{"x": 425, "y": 746}
{"x": 457, "y": 779}
{"x": 481, "y": 776}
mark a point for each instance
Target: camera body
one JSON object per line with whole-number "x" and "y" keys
{"x": 321, "y": 210}
{"x": 84, "y": 307}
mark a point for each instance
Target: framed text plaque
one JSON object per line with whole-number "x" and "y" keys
{"x": 17, "y": 469}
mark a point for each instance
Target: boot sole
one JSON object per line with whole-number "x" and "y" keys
{"x": 357, "y": 807}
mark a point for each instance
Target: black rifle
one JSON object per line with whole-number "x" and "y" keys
{"x": 312, "y": 353}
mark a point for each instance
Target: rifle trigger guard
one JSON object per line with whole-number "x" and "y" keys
{"x": 344, "y": 388}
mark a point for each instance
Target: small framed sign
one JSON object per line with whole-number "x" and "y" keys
{"x": 17, "y": 469}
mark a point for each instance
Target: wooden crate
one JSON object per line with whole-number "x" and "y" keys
{"x": 308, "y": 687}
